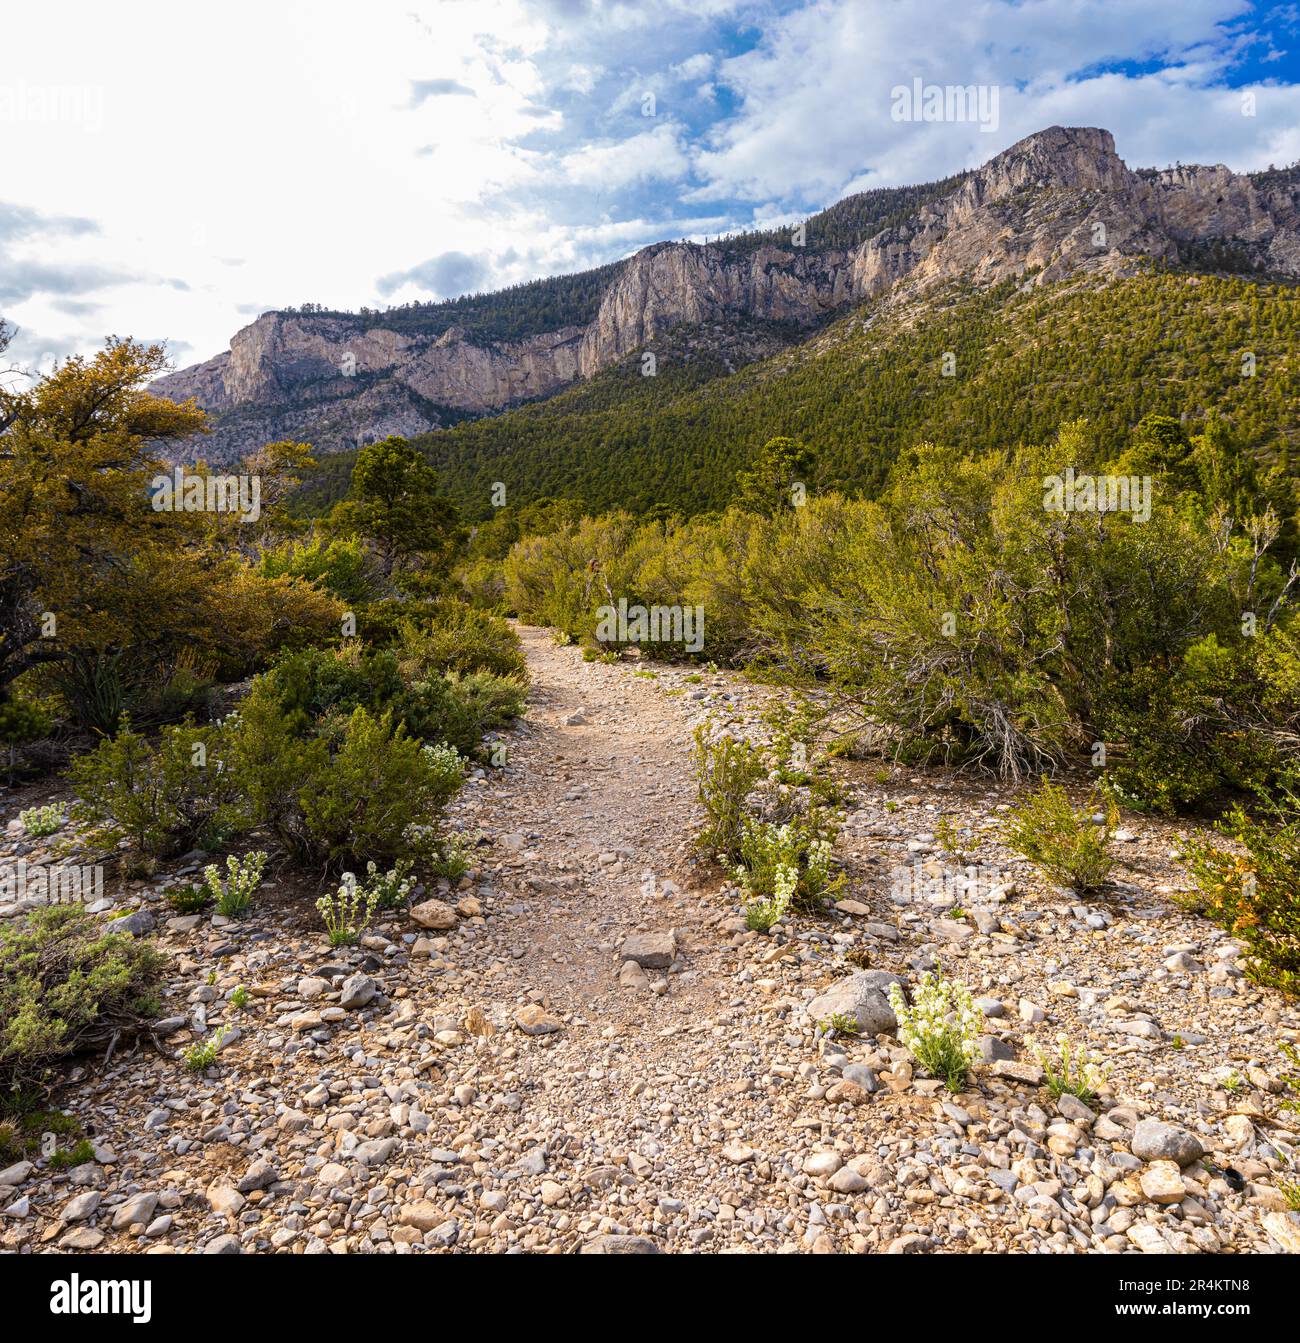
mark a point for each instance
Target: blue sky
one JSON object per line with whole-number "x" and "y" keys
{"x": 172, "y": 173}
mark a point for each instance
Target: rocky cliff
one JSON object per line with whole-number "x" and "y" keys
{"x": 1055, "y": 204}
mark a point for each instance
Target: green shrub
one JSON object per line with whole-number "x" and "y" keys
{"x": 68, "y": 986}
{"x": 199, "y": 1056}
{"x": 362, "y": 788}
{"x": 457, "y": 708}
{"x": 65, "y": 1158}
{"x": 488, "y": 702}
{"x": 309, "y": 684}
{"x": 21, "y": 723}
{"x": 340, "y": 567}
{"x": 1067, "y": 844}
{"x": 1198, "y": 733}
{"x": 162, "y": 798}
{"x": 458, "y": 637}
{"x": 1253, "y": 893}
{"x": 188, "y": 898}
{"x": 726, "y": 772}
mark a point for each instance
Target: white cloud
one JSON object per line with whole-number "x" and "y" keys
{"x": 654, "y": 154}
{"x": 314, "y": 150}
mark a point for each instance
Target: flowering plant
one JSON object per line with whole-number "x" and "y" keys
{"x": 1073, "y": 1070}
{"x": 391, "y": 889}
{"x": 770, "y": 851}
{"x": 941, "y": 1028}
{"x": 763, "y": 915}
{"x": 347, "y": 912}
{"x": 243, "y": 876}
{"x": 41, "y": 821}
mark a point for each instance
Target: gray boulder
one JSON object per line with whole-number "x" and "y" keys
{"x": 1154, "y": 1140}
{"x": 862, "y": 997}
{"x": 612, "y": 1244}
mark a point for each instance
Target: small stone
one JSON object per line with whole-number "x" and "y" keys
{"x": 1181, "y": 961}
{"x": 1284, "y": 1228}
{"x": 83, "y": 1206}
{"x": 258, "y": 1176}
{"x": 615, "y": 1244}
{"x": 358, "y": 990}
{"x": 1162, "y": 1182}
{"x": 423, "y": 1216}
{"x": 847, "y": 1093}
{"x": 651, "y": 951}
{"x": 138, "y": 924}
{"x": 15, "y": 1174}
{"x": 138, "y": 1209}
{"x": 1031, "y": 1074}
{"x": 226, "y": 1200}
{"x": 861, "y": 996}
{"x": 847, "y": 1181}
{"x": 1148, "y": 1239}
{"x": 81, "y": 1238}
{"x": 436, "y": 914}
{"x": 1071, "y": 1107}
{"x": 1154, "y": 1140}
{"x": 861, "y": 1075}
{"x": 535, "y": 1020}
{"x": 822, "y": 1163}
{"x": 632, "y": 976}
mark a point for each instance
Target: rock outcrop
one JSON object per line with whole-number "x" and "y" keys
{"x": 1056, "y": 204}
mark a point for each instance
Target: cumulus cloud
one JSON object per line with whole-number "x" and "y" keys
{"x": 443, "y": 276}
{"x": 531, "y": 153}
{"x": 653, "y": 155}
{"x": 424, "y": 89}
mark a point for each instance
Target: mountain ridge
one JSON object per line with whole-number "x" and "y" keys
{"x": 1058, "y": 203}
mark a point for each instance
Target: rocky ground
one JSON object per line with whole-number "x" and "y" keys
{"x": 581, "y": 1048}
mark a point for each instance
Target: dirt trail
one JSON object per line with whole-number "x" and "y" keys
{"x": 605, "y": 809}
{"x": 512, "y": 1083}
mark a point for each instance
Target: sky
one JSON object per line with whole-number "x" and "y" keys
{"x": 169, "y": 172}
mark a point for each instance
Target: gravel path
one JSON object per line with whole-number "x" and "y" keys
{"x": 582, "y": 1048}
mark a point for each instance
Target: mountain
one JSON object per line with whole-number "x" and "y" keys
{"x": 1058, "y": 206}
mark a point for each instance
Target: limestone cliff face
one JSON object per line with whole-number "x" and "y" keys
{"x": 1055, "y": 204}
{"x": 684, "y": 283}
{"x": 1063, "y": 201}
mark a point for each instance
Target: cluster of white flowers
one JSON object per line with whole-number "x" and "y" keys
{"x": 765, "y": 914}
{"x": 766, "y": 849}
{"x": 347, "y": 912}
{"x": 41, "y": 821}
{"x": 243, "y": 877}
{"x": 447, "y": 764}
{"x": 819, "y": 862}
{"x": 391, "y": 889}
{"x": 941, "y": 1028}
